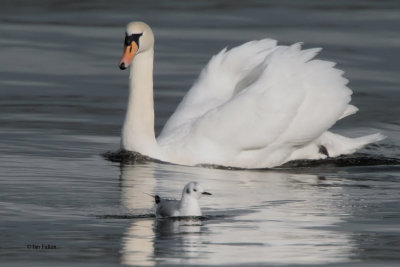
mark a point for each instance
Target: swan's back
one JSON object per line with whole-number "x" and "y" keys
{"x": 256, "y": 105}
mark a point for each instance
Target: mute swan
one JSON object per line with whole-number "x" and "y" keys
{"x": 256, "y": 105}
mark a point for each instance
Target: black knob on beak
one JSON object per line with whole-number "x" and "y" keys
{"x": 122, "y": 66}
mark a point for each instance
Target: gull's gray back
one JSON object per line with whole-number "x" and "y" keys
{"x": 167, "y": 208}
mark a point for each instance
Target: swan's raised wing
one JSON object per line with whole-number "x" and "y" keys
{"x": 225, "y": 75}
{"x": 289, "y": 104}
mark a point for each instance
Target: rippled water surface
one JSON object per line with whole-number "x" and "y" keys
{"x": 62, "y": 102}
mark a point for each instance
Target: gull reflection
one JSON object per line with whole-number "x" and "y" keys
{"x": 177, "y": 241}
{"x": 253, "y": 217}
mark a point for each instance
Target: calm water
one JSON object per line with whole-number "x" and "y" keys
{"x": 62, "y": 102}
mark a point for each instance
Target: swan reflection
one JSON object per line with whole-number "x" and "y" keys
{"x": 138, "y": 244}
{"x": 253, "y": 217}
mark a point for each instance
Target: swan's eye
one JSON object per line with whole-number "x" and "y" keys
{"x": 132, "y": 38}
{"x": 194, "y": 189}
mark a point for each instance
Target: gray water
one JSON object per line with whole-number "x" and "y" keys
{"x": 62, "y": 102}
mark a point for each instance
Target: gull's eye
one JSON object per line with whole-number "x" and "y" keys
{"x": 194, "y": 189}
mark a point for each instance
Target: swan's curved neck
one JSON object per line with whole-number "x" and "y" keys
{"x": 138, "y": 130}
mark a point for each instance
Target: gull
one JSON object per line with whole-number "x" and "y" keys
{"x": 188, "y": 205}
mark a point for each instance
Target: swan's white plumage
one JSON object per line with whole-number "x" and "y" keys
{"x": 223, "y": 76}
{"x": 260, "y": 105}
{"x": 255, "y": 106}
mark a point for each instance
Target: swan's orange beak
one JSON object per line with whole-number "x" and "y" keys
{"x": 128, "y": 55}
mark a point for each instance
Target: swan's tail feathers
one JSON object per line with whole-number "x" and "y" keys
{"x": 349, "y": 111}
{"x": 337, "y": 145}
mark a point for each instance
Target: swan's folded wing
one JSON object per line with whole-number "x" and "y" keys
{"x": 293, "y": 102}
{"x": 224, "y": 76}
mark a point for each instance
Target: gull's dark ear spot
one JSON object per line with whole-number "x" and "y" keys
{"x": 187, "y": 191}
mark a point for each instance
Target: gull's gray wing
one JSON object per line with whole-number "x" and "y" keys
{"x": 167, "y": 208}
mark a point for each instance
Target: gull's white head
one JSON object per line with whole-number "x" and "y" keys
{"x": 193, "y": 190}
{"x": 139, "y": 38}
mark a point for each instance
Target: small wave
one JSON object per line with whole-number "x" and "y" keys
{"x": 194, "y": 218}
{"x": 148, "y": 216}
{"x": 356, "y": 159}
{"x": 126, "y": 216}
{"x": 127, "y": 157}
{"x": 353, "y": 160}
